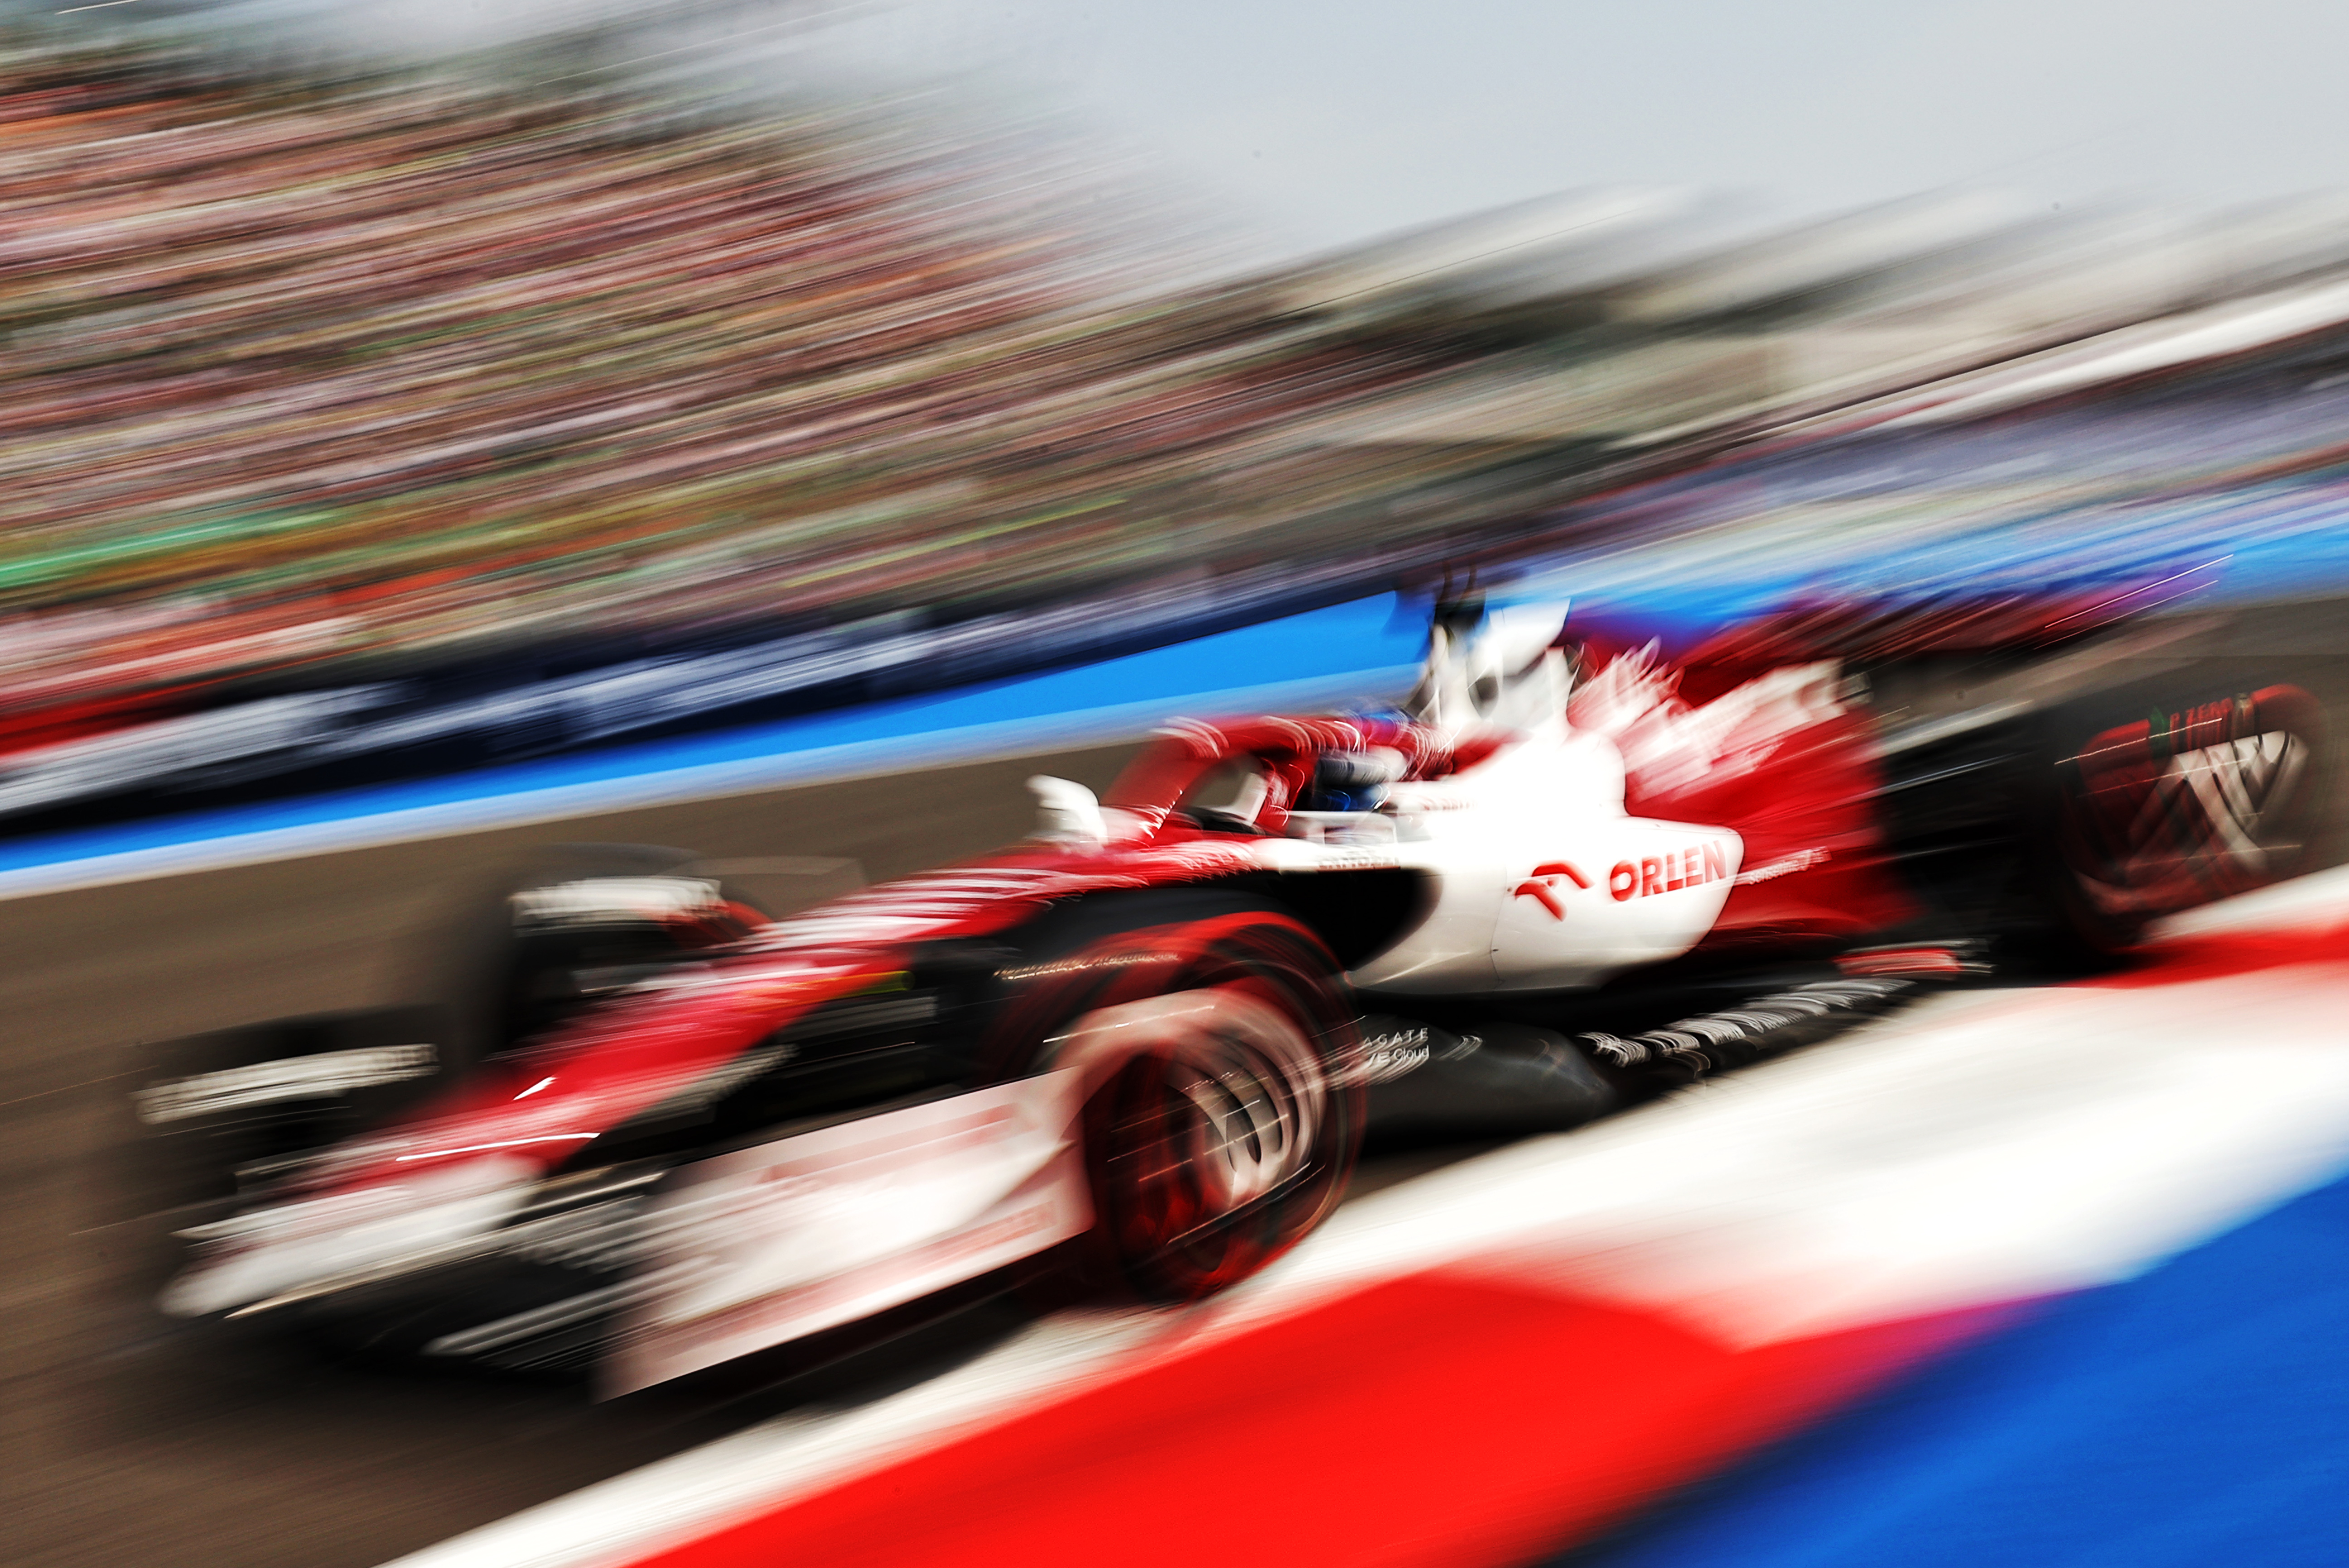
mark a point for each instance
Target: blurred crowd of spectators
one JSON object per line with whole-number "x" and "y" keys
{"x": 304, "y": 374}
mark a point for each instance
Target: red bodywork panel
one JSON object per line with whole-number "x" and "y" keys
{"x": 1804, "y": 809}
{"x": 1818, "y": 865}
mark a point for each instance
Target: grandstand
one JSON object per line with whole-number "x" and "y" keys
{"x": 470, "y": 373}
{"x": 309, "y": 375}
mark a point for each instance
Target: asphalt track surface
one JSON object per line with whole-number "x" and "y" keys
{"x": 130, "y": 1438}
{"x": 124, "y": 1438}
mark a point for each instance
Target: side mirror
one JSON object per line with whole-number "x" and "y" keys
{"x": 1067, "y": 813}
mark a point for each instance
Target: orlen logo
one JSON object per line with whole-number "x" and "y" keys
{"x": 1669, "y": 872}
{"x": 1542, "y": 886}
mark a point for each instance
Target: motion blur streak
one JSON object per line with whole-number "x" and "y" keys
{"x": 605, "y": 408}
{"x": 467, "y": 361}
{"x": 1514, "y": 1354}
{"x": 1497, "y": 1440}
{"x": 396, "y": 416}
{"x": 2213, "y": 1382}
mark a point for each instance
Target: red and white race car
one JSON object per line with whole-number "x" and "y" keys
{"x": 1143, "y": 1046}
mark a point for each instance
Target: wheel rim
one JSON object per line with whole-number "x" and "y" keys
{"x": 2155, "y": 832}
{"x": 1206, "y": 1106}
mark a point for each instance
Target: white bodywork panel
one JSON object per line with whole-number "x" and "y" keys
{"x": 784, "y": 1240}
{"x": 252, "y": 1257}
{"x": 1541, "y": 881}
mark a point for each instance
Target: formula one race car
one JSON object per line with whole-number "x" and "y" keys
{"x": 1144, "y": 1045}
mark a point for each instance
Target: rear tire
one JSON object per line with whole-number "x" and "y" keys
{"x": 2181, "y": 809}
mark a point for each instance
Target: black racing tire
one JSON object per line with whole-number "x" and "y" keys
{"x": 1223, "y": 1103}
{"x": 508, "y": 985}
{"x": 2194, "y": 803}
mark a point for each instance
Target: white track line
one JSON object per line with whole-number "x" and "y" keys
{"x": 1981, "y": 1148}
{"x": 2318, "y": 898}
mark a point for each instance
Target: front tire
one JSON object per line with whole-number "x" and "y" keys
{"x": 1223, "y": 1103}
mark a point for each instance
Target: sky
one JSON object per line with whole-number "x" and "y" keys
{"x": 1315, "y": 124}
{"x": 1328, "y": 122}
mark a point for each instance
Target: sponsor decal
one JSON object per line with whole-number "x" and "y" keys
{"x": 1802, "y": 860}
{"x": 2197, "y": 729}
{"x": 1356, "y": 861}
{"x": 1670, "y": 872}
{"x": 1392, "y": 1053}
{"x": 1409, "y": 801}
{"x": 1542, "y": 886}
